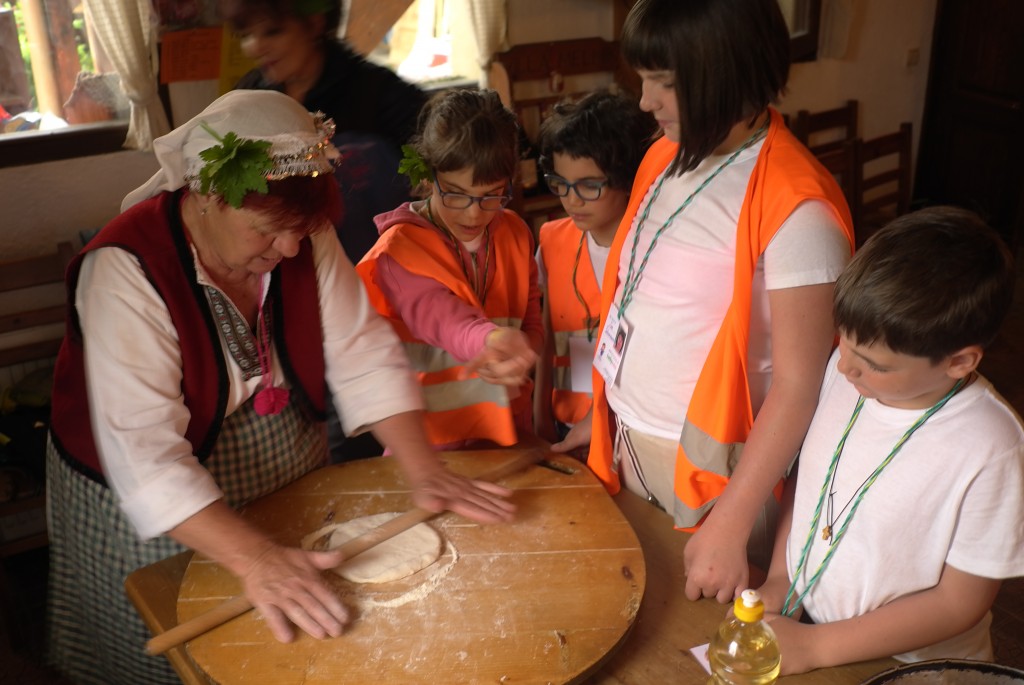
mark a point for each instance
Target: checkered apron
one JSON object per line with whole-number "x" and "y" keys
{"x": 95, "y": 634}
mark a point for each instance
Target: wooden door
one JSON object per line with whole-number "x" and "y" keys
{"x": 972, "y": 139}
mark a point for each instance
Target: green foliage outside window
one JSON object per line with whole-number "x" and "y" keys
{"x": 85, "y": 59}
{"x": 19, "y": 21}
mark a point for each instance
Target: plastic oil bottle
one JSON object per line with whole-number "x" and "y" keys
{"x": 744, "y": 649}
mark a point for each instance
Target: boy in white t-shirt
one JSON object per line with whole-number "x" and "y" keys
{"x": 907, "y": 511}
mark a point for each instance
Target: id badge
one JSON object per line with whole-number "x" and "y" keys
{"x": 611, "y": 347}
{"x": 581, "y": 364}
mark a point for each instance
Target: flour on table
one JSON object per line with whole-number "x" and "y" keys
{"x": 408, "y": 552}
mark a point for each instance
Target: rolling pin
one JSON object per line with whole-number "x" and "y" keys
{"x": 237, "y": 606}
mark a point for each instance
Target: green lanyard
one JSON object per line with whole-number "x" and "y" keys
{"x": 790, "y": 610}
{"x": 478, "y": 284}
{"x": 590, "y": 322}
{"x": 632, "y": 280}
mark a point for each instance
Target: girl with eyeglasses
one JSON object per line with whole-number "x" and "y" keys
{"x": 590, "y": 151}
{"x": 454, "y": 274}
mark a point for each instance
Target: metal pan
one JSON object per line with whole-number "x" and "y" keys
{"x": 948, "y": 672}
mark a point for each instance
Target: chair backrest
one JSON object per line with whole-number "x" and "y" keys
{"x": 841, "y": 162}
{"x": 825, "y": 130}
{"x": 883, "y": 180}
{"x": 32, "y": 318}
{"x": 531, "y": 79}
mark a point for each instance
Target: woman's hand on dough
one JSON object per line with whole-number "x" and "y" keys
{"x": 286, "y": 586}
{"x": 476, "y": 500}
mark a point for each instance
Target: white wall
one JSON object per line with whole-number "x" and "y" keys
{"x": 46, "y": 203}
{"x": 537, "y": 21}
{"x": 874, "y": 67}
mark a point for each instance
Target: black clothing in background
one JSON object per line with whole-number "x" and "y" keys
{"x": 375, "y": 112}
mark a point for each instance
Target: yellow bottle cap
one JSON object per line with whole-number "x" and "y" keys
{"x": 748, "y": 607}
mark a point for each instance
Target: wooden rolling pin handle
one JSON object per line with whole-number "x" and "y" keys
{"x": 239, "y": 605}
{"x": 208, "y": 620}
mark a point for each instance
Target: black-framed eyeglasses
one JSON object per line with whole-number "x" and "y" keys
{"x": 586, "y": 188}
{"x": 488, "y": 203}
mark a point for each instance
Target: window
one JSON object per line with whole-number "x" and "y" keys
{"x": 53, "y": 79}
{"x": 802, "y": 18}
{"x": 422, "y": 46}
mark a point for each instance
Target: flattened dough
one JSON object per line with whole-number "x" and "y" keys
{"x": 408, "y": 552}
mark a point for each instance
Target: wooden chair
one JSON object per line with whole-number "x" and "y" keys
{"x": 31, "y": 330}
{"x": 41, "y": 323}
{"x": 841, "y": 162}
{"x": 34, "y": 332}
{"x": 531, "y": 79}
{"x": 883, "y": 180}
{"x": 826, "y": 130}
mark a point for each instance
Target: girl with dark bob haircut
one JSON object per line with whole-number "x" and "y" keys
{"x": 730, "y": 59}
{"x": 720, "y": 278}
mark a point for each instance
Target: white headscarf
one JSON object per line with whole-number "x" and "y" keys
{"x": 299, "y": 140}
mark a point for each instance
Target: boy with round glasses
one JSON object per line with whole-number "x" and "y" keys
{"x": 590, "y": 153}
{"x": 455, "y": 276}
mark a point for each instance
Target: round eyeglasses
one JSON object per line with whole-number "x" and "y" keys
{"x": 488, "y": 203}
{"x": 586, "y": 188}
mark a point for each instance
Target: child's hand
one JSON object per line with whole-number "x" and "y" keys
{"x": 577, "y": 441}
{"x": 796, "y": 644}
{"x": 544, "y": 427}
{"x": 715, "y": 565}
{"x": 773, "y": 594}
{"x": 507, "y": 358}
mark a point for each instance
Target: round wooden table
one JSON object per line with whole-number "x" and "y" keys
{"x": 544, "y": 599}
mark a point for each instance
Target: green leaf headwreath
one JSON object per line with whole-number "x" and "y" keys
{"x": 413, "y": 166}
{"x": 235, "y": 167}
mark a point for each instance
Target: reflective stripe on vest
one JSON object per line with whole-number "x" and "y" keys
{"x": 719, "y": 417}
{"x": 457, "y": 409}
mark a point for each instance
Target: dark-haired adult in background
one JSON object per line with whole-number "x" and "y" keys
{"x": 297, "y": 52}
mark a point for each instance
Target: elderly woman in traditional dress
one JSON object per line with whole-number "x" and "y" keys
{"x": 209, "y": 320}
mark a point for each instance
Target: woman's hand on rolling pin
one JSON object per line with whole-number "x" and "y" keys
{"x": 285, "y": 585}
{"x": 507, "y": 358}
{"x": 476, "y": 500}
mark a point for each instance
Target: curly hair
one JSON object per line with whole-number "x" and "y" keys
{"x": 610, "y": 129}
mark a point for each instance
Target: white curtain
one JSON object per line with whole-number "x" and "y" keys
{"x": 834, "y": 32}
{"x": 127, "y": 30}
{"x": 490, "y": 27}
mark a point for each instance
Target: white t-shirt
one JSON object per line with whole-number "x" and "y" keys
{"x": 138, "y": 412}
{"x": 686, "y": 288}
{"x": 954, "y": 494}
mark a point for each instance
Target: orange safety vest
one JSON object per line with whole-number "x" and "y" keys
{"x": 720, "y": 415}
{"x": 559, "y": 243}
{"x": 459, "y": 409}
